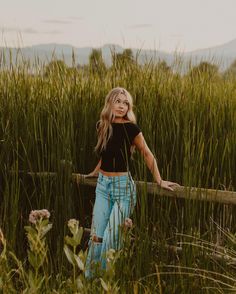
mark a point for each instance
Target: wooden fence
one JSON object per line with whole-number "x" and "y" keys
{"x": 220, "y": 196}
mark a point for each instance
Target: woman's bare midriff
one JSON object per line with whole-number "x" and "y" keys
{"x": 113, "y": 174}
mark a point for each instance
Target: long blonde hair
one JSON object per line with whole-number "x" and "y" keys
{"x": 104, "y": 127}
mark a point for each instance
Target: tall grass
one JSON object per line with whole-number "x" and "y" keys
{"x": 47, "y": 123}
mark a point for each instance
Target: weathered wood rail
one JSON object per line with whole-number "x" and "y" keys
{"x": 220, "y": 196}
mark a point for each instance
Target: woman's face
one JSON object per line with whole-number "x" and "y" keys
{"x": 120, "y": 106}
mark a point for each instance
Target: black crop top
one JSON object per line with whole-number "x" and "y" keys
{"x": 116, "y": 156}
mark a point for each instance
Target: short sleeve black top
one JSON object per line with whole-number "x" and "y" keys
{"x": 116, "y": 156}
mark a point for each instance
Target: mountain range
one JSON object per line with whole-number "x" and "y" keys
{"x": 222, "y": 55}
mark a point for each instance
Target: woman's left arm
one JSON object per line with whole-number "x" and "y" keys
{"x": 95, "y": 172}
{"x": 151, "y": 162}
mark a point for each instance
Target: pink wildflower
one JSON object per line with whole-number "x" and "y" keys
{"x": 73, "y": 224}
{"x": 38, "y": 214}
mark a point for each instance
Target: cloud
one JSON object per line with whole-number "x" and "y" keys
{"x": 178, "y": 36}
{"x": 27, "y": 31}
{"x": 52, "y": 32}
{"x": 76, "y": 18}
{"x": 66, "y": 20}
{"x": 57, "y": 21}
{"x": 17, "y": 30}
{"x": 139, "y": 26}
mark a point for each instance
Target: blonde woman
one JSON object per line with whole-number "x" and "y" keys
{"x": 118, "y": 135}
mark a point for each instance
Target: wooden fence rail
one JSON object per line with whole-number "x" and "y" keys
{"x": 224, "y": 197}
{"x": 220, "y": 196}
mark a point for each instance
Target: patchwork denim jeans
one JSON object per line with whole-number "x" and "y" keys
{"x": 115, "y": 201}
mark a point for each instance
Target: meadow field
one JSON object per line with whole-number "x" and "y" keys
{"x": 48, "y": 124}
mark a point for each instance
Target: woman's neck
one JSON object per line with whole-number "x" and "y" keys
{"x": 120, "y": 120}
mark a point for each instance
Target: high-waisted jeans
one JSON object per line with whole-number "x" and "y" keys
{"x": 115, "y": 200}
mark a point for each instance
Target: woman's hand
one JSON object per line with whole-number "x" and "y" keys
{"x": 93, "y": 174}
{"x": 168, "y": 185}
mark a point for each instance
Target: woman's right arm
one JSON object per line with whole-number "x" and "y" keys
{"x": 94, "y": 173}
{"x": 151, "y": 163}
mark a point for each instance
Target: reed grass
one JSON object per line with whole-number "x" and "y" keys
{"x": 47, "y": 123}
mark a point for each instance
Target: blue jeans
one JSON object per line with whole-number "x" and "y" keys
{"x": 115, "y": 200}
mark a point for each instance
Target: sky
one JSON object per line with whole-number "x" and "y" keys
{"x": 167, "y": 25}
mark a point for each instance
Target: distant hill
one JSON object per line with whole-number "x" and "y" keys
{"x": 46, "y": 52}
{"x": 223, "y": 55}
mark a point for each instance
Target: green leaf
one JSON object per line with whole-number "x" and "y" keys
{"x": 79, "y": 262}
{"x": 82, "y": 255}
{"x": 45, "y": 230}
{"x": 69, "y": 254}
{"x": 35, "y": 283}
{"x": 104, "y": 285}
{"x": 79, "y": 235}
{"x": 79, "y": 284}
{"x": 32, "y": 259}
{"x": 30, "y": 229}
{"x": 44, "y": 222}
{"x": 70, "y": 241}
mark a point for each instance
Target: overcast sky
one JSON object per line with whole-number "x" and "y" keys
{"x": 166, "y": 25}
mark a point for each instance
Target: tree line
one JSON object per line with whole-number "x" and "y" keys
{"x": 126, "y": 61}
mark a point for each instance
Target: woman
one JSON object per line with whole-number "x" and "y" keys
{"x": 118, "y": 135}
